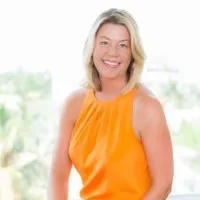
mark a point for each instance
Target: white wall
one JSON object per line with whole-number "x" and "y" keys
{"x": 185, "y": 197}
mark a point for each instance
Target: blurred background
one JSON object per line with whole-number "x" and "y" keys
{"x": 41, "y": 45}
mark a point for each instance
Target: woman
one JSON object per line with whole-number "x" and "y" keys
{"x": 114, "y": 130}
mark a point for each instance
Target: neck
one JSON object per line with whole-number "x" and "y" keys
{"x": 113, "y": 85}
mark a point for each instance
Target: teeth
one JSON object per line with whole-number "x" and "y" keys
{"x": 111, "y": 63}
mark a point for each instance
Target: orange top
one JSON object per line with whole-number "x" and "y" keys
{"x": 105, "y": 151}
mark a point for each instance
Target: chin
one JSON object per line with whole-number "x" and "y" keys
{"x": 110, "y": 75}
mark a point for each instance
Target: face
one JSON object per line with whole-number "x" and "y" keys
{"x": 112, "y": 51}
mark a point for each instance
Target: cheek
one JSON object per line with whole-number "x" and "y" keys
{"x": 98, "y": 53}
{"x": 97, "y": 56}
{"x": 127, "y": 57}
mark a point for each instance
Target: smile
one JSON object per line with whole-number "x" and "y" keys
{"x": 112, "y": 64}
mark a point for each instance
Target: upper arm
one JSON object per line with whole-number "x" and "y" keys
{"x": 61, "y": 163}
{"x": 156, "y": 140}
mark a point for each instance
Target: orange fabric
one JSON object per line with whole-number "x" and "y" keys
{"x": 105, "y": 151}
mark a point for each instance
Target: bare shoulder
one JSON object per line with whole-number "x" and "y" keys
{"x": 73, "y": 103}
{"x": 76, "y": 94}
{"x": 61, "y": 163}
{"x": 156, "y": 139}
{"x": 143, "y": 91}
{"x": 149, "y": 110}
{"x": 147, "y": 100}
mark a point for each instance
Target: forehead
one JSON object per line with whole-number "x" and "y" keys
{"x": 113, "y": 31}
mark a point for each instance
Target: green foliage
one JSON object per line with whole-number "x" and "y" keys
{"x": 25, "y": 114}
{"x": 189, "y": 137}
{"x": 183, "y": 96}
{"x": 4, "y": 116}
{"x": 26, "y": 84}
{"x": 189, "y": 134}
{"x": 186, "y": 97}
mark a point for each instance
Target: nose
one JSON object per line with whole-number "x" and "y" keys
{"x": 112, "y": 50}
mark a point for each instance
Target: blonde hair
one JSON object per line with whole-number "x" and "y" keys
{"x": 121, "y": 17}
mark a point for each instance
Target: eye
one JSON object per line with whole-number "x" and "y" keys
{"x": 104, "y": 43}
{"x": 123, "y": 45}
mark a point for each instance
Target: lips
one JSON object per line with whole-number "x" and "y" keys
{"x": 111, "y": 63}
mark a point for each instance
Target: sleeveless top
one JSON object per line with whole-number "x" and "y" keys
{"x": 105, "y": 151}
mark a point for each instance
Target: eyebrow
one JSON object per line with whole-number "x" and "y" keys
{"x": 110, "y": 39}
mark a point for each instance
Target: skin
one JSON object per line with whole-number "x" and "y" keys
{"x": 113, "y": 44}
{"x": 152, "y": 130}
{"x": 61, "y": 163}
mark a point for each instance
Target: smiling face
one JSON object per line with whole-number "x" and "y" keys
{"x": 112, "y": 51}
